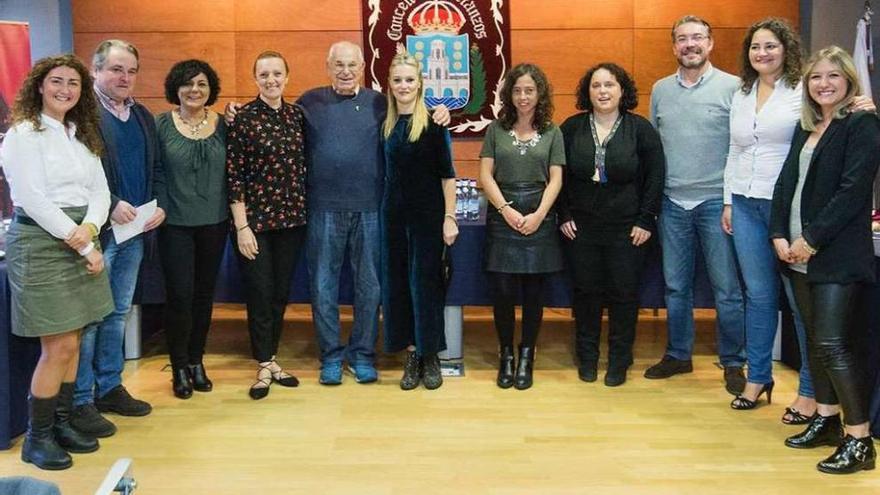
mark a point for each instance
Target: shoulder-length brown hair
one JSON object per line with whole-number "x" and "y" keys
{"x": 543, "y": 110}
{"x": 792, "y": 54}
{"x": 29, "y": 101}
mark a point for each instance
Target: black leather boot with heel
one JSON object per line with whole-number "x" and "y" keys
{"x": 524, "y": 368}
{"x": 505, "y": 367}
{"x": 40, "y": 447}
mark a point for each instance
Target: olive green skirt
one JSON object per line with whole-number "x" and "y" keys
{"x": 51, "y": 290}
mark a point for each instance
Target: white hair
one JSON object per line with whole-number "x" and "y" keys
{"x": 344, "y": 44}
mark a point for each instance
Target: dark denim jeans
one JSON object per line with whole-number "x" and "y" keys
{"x": 680, "y": 230}
{"x": 330, "y": 235}
{"x": 100, "y": 353}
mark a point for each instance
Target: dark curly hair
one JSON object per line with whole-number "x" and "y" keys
{"x": 543, "y": 110}
{"x": 180, "y": 75}
{"x": 29, "y": 101}
{"x": 791, "y": 45}
{"x": 629, "y": 97}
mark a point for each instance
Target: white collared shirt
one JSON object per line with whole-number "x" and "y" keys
{"x": 759, "y": 141}
{"x": 50, "y": 169}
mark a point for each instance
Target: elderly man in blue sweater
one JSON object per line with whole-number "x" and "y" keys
{"x": 691, "y": 110}
{"x": 345, "y": 165}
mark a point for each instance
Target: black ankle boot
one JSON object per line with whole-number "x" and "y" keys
{"x": 412, "y": 371}
{"x": 505, "y": 367}
{"x": 68, "y": 437}
{"x": 183, "y": 388}
{"x": 854, "y": 454}
{"x": 199, "y": 378}
{"x": 40, "y": 447}
{"x": 523, "y": 378}
{"x": 822, "y": 430}
{"x": 432, "y": 377}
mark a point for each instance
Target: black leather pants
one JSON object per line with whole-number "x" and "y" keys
{"x": 829, "y": 311}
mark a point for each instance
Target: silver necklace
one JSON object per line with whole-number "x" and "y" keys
{"x": 194, "y": 129}
{"x": 522, "y": 146}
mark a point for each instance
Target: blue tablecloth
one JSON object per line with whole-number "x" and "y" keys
{"x": 469, "y": 287}
{"x": 18, "y": 358}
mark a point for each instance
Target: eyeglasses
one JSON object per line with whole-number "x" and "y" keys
{"x": 696, "y": 38}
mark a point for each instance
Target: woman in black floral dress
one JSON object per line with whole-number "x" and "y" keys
{"x": 267, "y": 175}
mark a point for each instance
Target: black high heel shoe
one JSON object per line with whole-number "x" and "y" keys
{"x": 741, "y": 403}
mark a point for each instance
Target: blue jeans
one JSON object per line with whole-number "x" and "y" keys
{"x": 330, "y": 235}
{"x": 760, "y": 273}
{"x": 805, "y": 386}
{"x": 100, "y": 353}
{"x": 680, "y": 230}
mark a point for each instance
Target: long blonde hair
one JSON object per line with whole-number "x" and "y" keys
{"x": 419, "y": 120}
{"x": 811, "y": 112}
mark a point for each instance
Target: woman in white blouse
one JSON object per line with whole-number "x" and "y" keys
{"x": 763, "y": 117}
{"x": 54, "y": 262}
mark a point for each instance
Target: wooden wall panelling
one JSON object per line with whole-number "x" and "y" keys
{"x": 565, "y": 55}
{"x": 159, "y": 51}
{"x": 108, "y": 16}
{"x": 297, "y": 15}
{"x": 726, "y": 13}
{"x": 305, "y": 51}
{"x": 654, "y": 58}
{"x": 568, "y": 14}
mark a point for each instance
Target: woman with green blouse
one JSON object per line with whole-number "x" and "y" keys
{"x": 192, "y": 141}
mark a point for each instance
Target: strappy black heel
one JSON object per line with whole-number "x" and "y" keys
{"x": 741, "y": 403}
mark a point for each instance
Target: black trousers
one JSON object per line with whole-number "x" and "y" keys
{"x": 506, "y": 289}
{"x": 190, "y": 260}
{"x": 267, "y": 287}
{"x": 829, "y": 312}
{"x": 606, "y": 271}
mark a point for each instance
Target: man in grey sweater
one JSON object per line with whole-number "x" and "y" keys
{"x": 690, "y": 110}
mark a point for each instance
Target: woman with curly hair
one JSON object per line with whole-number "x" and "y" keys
{"x": 192, "y": 144}
{"x": 55, "y": 266}
{"x": 763, "y": 116}
{"x": 611, "y": 195}
{"x": 521, "y": 174}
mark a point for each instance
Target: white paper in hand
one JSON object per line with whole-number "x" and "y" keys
{"x": 125, "y": 231}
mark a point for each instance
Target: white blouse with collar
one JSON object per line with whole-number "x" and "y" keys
{"x": 759, "y": 141}
{"x": 50, "y": 169}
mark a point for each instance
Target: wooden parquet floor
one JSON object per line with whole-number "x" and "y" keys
{"x": 675, "y": 436}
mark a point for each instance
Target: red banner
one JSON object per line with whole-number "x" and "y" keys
{"x": 15, "y": 62}
{"x": 463, "y": 46}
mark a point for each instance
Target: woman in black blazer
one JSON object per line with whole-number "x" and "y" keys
{"x": 821, "y": 229}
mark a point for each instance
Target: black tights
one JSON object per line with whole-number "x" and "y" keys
{"x": 506, "y": 289}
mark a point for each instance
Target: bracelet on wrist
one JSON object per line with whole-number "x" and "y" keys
{"x": 451, "y": 216}
{"x": 505, "y": 205}
{"x": 810, "y": 249}
{"x": 245, "y": 226}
